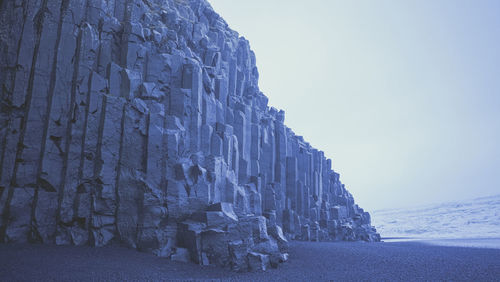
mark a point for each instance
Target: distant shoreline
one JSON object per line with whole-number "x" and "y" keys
{"x": 482, "y": 243}
{"x": 476, "y": 220}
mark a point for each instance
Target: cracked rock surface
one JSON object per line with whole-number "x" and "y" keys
{"x": 141, "y": 122}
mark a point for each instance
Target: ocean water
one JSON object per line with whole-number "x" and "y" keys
{"x": 474, "y": 222}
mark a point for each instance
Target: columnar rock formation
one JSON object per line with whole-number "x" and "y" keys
{"x": 141, "y": 122}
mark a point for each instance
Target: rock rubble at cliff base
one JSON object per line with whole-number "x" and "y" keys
{"x": 141, "y": 122}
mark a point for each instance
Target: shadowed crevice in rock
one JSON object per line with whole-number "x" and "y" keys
{"x": 141, "y": 123}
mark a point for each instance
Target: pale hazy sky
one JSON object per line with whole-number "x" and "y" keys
{"x": 404, "y": 96}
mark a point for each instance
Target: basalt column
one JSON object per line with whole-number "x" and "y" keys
{"x": 141, "y": 123}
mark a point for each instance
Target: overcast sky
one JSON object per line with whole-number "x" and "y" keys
{"x": 403, "y": 96}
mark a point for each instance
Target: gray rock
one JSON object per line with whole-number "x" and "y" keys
{"x": 238, "y": 250}
{"x": 142, "y": 123}
{"x": 218, "y": 219}
{"x": 258, "y": 262}
{"x": 181, "y": 255}
{"x": 225, "y": 208}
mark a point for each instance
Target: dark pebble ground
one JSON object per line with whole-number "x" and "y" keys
{"x": 407, "y": 261}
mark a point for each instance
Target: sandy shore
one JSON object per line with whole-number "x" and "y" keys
{"x": 403, "y": 261}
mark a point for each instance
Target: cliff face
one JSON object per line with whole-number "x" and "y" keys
{"x": 141, "y": 122}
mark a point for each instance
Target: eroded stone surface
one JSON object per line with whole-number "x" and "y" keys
{"x": 141, "y": 122}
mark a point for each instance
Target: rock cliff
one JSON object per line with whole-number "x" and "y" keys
{"x": 140, "y": 122}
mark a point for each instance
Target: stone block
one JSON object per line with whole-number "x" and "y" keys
{"x": 225, "y": 208}
{"x": 258, "y": 262}
{"x": 206, "y": 139}
{"x": 130, "y": 83}
{"x": 269, "y": 198}
{"x": 215, "y": 245}
{"x": 288, "y": 221}
{"x": 241, "y": 201}
{"x": 150, "y": 91}
{"x": 238, "y": 251}
{"x": 189, "y": 237}
{"x": 181, "y": 255}
{"x": 338, "y": 212}
{"x": 258, "y": 226}
{"x": 218, "y": 219}
{"x": 18, "y": 227}
{"x": 305, "y": 233}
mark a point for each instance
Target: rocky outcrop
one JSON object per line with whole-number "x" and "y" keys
{"x": 141, "y": 122}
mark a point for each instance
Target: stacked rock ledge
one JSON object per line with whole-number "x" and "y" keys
{"x": 140, "y": 122}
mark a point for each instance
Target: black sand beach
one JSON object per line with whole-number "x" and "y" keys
{"x": 402, "y": 261}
